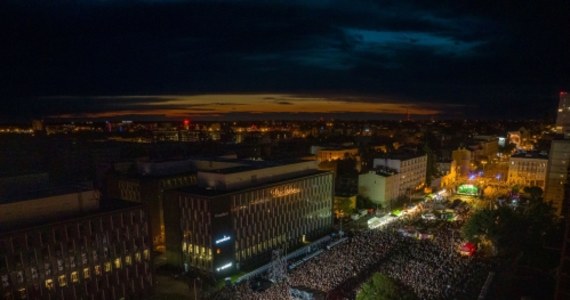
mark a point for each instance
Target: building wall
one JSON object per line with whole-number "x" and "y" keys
{"x": 102, "y": 256}
{"x": 149, "y": 191}
{"x": 380, "y": 189}
{"x": 525, "y": 171}
{"x": 58, "y": 205}
{"x": 220, "y": 234}
{"x": 335, "y": 154}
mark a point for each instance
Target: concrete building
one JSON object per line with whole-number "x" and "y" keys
{"x": 235, "y": 216}
{"x": 381, "y": 186}
{"x": 410, "y": 166}
{"x": 65, "y": 246}
{"x": 528, "y": 169}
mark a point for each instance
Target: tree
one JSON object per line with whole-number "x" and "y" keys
{"x": 512, "y": 230}
{"x": 382, "y": 287}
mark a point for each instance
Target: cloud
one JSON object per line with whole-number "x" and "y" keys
{"x": 400, "y": 51}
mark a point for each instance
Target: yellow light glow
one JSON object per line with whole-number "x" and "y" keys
{"x": 221, "y": 104}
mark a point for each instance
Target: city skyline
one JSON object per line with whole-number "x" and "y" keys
{"x": 283, "y": 59}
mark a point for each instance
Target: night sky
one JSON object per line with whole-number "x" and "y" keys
{"x": 283, "y": 59}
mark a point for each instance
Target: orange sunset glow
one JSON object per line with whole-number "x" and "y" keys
{"x": 216, "y": 105}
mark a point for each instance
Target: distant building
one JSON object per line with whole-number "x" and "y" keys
{"x": 411, "y": 168}
{"x": 65, "y": 246}
{"x": 563, "y": 114}
{"x": 528, "y": 169}
{"x": 327, "y": 154}
{"x": 237, "y": 215}
{"x": 381, "y": 186}
{"x": 484, "y": 147}
{"x": 38, "y": 126}
{"x": 461, "y": 162}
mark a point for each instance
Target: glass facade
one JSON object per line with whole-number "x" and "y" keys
{"x": 223, "y": 232}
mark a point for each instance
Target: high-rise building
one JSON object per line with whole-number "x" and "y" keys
{"x": 557, "y": 174}
{"x": 236, "y": 216}
{"x": 563, "y": 114}
{"x": 559, "y": 159}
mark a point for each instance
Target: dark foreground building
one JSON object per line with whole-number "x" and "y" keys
{"x": 237, "y": 215}
{"x": 82, "y": 252}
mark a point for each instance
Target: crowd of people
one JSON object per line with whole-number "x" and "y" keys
{"x": 432, "y": 269}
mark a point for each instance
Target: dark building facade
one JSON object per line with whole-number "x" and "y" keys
{"x": 222, "y": 231}
{"x": 101, "y": 255}
{"x": 148, "y": 189}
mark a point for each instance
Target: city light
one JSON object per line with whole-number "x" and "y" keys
{"x": 228, "y": 265}
{"x": 223, "y": 239}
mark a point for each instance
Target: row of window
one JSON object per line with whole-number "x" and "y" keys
{"x": 103, "y": 287}
{"x": 33, "y": 273}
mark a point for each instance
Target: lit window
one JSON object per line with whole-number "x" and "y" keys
{"x": 146, "y": 254}
{"x": 117, "y": 263}
{"x": 49, "y": 284}
{"x": 128, "y": 260}
{"x": 62, "y": 280}
{"x": 86, "y": 273}
{"x": 138, "y": 257}
{"x": 98, "y": 270}
{"x": 108, "y": 267}
{"x": 74, "y": 277}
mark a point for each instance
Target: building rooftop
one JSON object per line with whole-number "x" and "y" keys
{"x": 534, "y": 154}
{"x": 384, "y": 171}
{"x": 212, "y": 192}
{"x": 44, "y": 193}
{"x": 403, "y": 155}
{"x": 113, "y": 205}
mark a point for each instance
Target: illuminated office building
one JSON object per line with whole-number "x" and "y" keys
{"x": 237, "y": 215}
{"x": 80, "y": 252}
